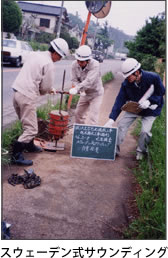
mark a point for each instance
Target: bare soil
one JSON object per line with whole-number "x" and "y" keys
{"x": 77, "y": 198}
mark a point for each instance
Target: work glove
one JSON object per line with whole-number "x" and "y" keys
{"x": 153, "y": 107}
{"x": 53, "y": 91}
{"x": 144, "y": 104}
{"x": 109, "y": 123}
{"x": 73, "y": 91}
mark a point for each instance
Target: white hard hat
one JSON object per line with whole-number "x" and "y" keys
{"x": 130, "y": 66}
{"x": 60, "y": 46}
{"x": 83, "y": 53}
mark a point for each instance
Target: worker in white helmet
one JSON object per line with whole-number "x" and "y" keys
{"x": 137, "y": 82}
{"x": 86, "y": 78}
{"x": 34, "y": 79}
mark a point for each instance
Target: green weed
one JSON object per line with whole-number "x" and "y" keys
{"x": 151, "y": 176}
{"x": 7, "y": 138}
{"x": 107, "y": 77}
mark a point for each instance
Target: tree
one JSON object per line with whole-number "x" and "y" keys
{"x": 75, "y": 19}
{"x": 72, "y": 41}
{"x": 44, "y": 37}
{"x": 103, "y": 41}
{"x": 149, "y": 43}
{"x": 27, "y": 24}
{"x": 12, "y": 16}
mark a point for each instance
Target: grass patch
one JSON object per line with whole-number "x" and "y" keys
{"x": 107, "y": 77}
{"x": 7, "y": 138}
{"x": 10, "y": 134}
{"x": 151, "y": 176}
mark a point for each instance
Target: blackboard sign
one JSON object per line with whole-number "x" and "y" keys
{"x": 94, "y": 142}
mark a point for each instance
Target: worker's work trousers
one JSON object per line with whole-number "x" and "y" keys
{"x": 90, "y": 105}
{"x": 26, "y": 110}
{"x": 145, "y": 134}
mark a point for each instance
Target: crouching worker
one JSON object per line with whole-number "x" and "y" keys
{"x": 86, "y": 78}
{"x": 136, "y": 84}
{"x": 34, "y": 79}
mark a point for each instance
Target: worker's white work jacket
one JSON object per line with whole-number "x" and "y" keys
{"x": 36, "y": 76}
{"x": 87, "y": 79}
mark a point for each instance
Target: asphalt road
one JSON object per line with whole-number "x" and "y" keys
{"x": 9, "y": 74}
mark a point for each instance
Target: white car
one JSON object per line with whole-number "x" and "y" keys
{"x": 15, "y": 51}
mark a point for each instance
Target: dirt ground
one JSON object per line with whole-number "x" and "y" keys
{"x": 77, "y": 198}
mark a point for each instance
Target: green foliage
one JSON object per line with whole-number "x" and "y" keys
{"x": 149, "y": 44}
{"x": 148, "y": 62}
{"x": 151, "y": 176}
{"x": 39, "y": 46}
{"x": 74, "y": 43}
{"x": 45, "y": 37}
{"x": 160, "y": 68}
{"x": 75, "y": 19}
{"x": 12, "y": 16}
{"x": 7, "y": 138}
{"x": 10, "y": 134}
{"x": 103, "y": 39}
{"x": 107, "y": 77}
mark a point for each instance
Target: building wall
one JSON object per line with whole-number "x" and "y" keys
{"x": 36, "y": 21}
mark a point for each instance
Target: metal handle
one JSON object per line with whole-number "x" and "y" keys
{"x": 61, "y": 93}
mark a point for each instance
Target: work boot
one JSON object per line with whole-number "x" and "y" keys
{"x": 17, "y": 156}
{"x": 31, "y": 147}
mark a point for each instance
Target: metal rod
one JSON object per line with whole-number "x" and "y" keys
{"x": 60, "y": 107}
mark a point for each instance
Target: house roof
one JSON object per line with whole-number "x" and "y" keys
{"x": 42, "y": 9}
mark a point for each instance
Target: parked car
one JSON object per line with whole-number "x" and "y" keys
{"x": 15, "y": 51}
{"x": 98, "y": 55}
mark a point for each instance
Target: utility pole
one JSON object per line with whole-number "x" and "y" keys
{"x": 60, "y": 19}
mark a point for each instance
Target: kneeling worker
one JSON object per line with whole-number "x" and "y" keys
{"x": 136, "y": 84}
{"x": 34, "y": 79}
{"x": 86, "y": 78}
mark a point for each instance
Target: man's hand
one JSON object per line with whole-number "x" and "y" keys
{"x": 109, "y": 123}
{"x": 53, "y": 91}
{"x": 144, "y": 104}
{"x": 73, "y": 91}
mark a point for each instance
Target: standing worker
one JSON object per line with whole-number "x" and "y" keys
{"x": 34, "y": 79}
{"x": 86, "y": 78}
{"x": 136, "y": 84}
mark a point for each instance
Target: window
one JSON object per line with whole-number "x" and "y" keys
{"x": 44, "y": 23}
{"x": 9, "y": 43}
